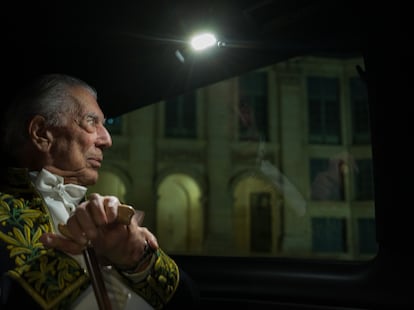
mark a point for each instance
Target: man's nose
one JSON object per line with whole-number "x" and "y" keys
{"x": 104, "y": 137}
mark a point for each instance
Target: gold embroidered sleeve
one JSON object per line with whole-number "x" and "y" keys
{"x": 158, "y": 283}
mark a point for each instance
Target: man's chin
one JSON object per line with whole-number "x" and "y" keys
{"x": 91, "y": 178}
{"x": 85, "y": 176}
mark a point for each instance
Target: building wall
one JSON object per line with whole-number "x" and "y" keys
{"x": 219, "y": 164}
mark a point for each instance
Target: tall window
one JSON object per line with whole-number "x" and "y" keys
{"x": 364, "y": 187}
{"x": 180, "y": 117}
{"x": 324, "y": 110}
{"x": 261, "y": 223}
{"x": 366, "y": 236}
{"x": 253, "y": 120}
{"x": 360, "y": 117}
{"x": 328, "y": 235}
{"x": 327, "y": 179}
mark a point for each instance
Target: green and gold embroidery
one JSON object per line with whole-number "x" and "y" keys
{"x": 161, "y": 283}
{"x": 23, "y": 237}
{"x": 52, "y": 278}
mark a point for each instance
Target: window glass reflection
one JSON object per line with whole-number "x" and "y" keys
{"x": 275, "y": 162}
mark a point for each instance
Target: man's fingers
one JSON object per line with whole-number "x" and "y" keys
{"x": 151, "y": 239}
{"x": 110, "y": 204}
{"x": 51, "y": 240}
{"x": 139, "y": 215}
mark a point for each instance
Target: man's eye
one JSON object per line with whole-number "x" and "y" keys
{"x": 92, "y": 121}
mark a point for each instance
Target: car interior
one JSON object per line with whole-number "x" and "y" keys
{"x": 265, "y": 163}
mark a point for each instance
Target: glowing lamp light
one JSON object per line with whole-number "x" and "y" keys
{"x": 203, "y": 41}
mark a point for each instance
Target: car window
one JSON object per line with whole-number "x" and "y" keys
{"x": 274, "y": 162}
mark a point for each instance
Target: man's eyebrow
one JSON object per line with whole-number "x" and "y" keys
{"x": 94, "y": 115}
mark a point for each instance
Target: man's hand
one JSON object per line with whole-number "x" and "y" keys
{"x": 101, "y": 222}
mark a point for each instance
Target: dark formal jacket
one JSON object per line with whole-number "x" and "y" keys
{"x": 35, "y": 277}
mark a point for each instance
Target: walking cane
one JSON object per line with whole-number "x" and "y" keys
{"x": 125, "y": 213}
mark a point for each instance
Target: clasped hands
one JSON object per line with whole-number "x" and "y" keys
{"x": 95, "y": 222}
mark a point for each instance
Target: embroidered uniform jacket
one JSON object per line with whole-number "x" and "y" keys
{"x": 34, "y": 276}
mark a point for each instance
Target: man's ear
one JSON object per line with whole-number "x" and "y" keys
{"x": 39, "y": 133}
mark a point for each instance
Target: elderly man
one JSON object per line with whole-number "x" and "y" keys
{"x": 54, "y": 138}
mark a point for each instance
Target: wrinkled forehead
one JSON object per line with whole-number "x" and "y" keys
{"x": 86, "y": 102}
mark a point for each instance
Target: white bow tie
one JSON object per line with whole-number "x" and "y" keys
{"x": 51, "y": 184}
